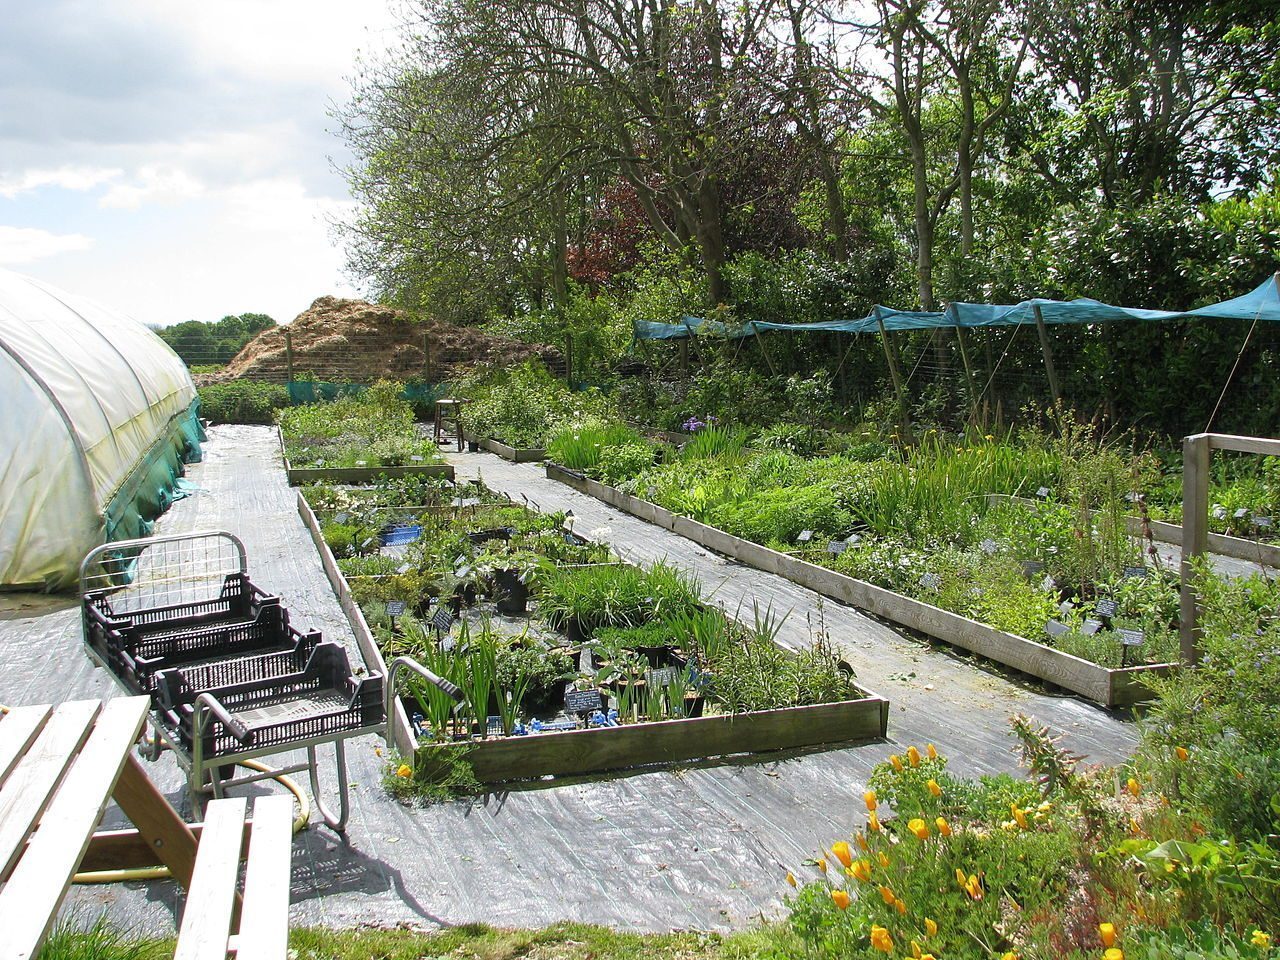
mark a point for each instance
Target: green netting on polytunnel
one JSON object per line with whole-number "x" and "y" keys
{"x": 1262, "y": 303}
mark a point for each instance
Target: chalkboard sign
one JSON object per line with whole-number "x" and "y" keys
{"x": 662, "y": 676}
{"x": 395, "y": 608}
{"x": 342, "y": 517}
{"x": 1090, "y": 627}
{"x": 1106, "y": 609}
{"x": 1031, "y": 567}
{"x": 931, "y": 581}
{"x": 989, "y": 547}
{"x": 837, "y": 547}
{"x": 1042, "y": 493}
{"x": 442, "y": 620}
{"x": 1132, "y": 638}
{"x": 805, "y": 536}
{"x": 583, "y": 701}
{"x": 1135, "y": 573}
{"x": 1056, "y": 629}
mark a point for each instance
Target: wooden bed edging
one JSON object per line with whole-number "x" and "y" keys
{"x": 514, "y": 454}
{"x": 401, "y": 732}
{"x": 670, "y": 741}
{"x": 1103, "y": 685}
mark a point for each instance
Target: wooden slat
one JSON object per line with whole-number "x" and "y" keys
{"x": 264, "y": 921}
{"x": 30, "y": 899}
{"x": 18, "y": 728}
{"x": 31, "y": 783}
{"x": 206, "y": 919}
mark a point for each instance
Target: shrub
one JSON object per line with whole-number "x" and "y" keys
{"x": 243, "y": 401}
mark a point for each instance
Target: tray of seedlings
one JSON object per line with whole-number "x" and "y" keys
{"x": 571, "y": 662}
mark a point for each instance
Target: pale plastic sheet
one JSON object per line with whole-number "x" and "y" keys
{"x": 86, "y": 394}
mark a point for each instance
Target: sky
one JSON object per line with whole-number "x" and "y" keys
{"x": 175, "y": 160}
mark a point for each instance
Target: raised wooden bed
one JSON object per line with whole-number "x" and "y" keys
{"x": 1103, "y": 685}
{"x": 613, "y": 748}
{"x": 671, "y": 741}
{"x": 514, "y": 454}
{"x": 303, "y": 475}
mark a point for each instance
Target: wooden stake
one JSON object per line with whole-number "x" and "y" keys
{"x": 1043, "y": 330}
{"x": 288, "y": 355}
{"x": 1195, "y": 538}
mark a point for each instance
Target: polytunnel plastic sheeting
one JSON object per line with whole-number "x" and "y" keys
{"x": 92, "y": 399}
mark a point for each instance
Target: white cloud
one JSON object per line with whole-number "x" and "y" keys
{"x": 153, "y": 184}
{"x": 67, "y": 177}
{"x": 27, "y": 244}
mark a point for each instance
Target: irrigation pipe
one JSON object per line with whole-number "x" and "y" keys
{"x": 162, "y": 873}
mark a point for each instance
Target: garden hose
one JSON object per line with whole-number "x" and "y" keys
{"x": 162, "y": 873}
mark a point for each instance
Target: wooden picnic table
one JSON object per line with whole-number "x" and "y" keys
{"x": 59, "y": 765}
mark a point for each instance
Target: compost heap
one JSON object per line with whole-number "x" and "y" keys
{"x": 351, "y": 340}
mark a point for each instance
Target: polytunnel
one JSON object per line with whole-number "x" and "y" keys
{"x": 97, "y": 418}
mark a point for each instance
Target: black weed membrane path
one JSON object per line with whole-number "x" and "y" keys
{"x": 703, "y": 846}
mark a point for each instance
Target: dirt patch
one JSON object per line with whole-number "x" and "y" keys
{"x": 351, "y": 340}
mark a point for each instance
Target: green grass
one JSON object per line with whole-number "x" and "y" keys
{"x": 564, "y": 941}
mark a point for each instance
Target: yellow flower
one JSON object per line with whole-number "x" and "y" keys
{"x": 934, "y": 788}
{"x": 913, "y": 756}
{"x": 1182, "y": 753}
{"x": 862, "y": 843}
{"x": 1107, "y": 933}
{"x": 404, "y": 770}
{"x": 973, "y": 887}
{"x": 900, "y": 906}
{"x": 1134, "y": 787}
{"x": 960, "y": 877}
{"x": 841, "y": 899}
{"x": 1113, "y": 953}
{"x": 931, "y": 751}
{"x": 930, "y": 927}
{"x": 887, "y": 896}
{"x": 869, "y": 798}
{"x": 862, "y": 870}
{"x": 881, "y": 940}
{"x": 1260, "y": 939}
{"x": 1019, "y": 816}
{"x": 990, "y": 436}
{"x": 822, "y": 865}
{"x": 1009, "y": 955}
{"x": 883, "y": 858}
{"x": 873, "y": 823}
{"x": 842, "y": 853}
{"x": 896, "y": 761}
{"x": 377, "y": 751}
{"x": 915, "y": 950}
{"x": 919, "y": 828}
{"x": 944, "y": 828}
{"x": 791, "y": 878}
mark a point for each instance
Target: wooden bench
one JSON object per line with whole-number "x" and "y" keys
{"x": 263, "y": 934}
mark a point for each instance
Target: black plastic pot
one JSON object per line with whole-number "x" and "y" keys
{"x": 510, "y": 593}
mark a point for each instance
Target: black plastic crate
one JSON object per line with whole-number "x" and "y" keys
{"x": 178, "y": 685}
{"x": 323, "y": 700}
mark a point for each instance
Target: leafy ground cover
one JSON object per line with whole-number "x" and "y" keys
{"x": 373, "y": 428}
{"x": 525, "y": 406}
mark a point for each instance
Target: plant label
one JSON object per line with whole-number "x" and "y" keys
{"x": 366, "y": 543}
{"x": 1048, "y": 584}
{"x": 1219, "y": 512}
{"x": 395, "y": 608}
{"x": 466, "y": 501}
{"x": 1241, "y": 513}
{"x": 662, "y": 676}
{"x": 583, "y": 701}
{"x": 493, "y": 727}
{"x": 1090, "y": 627}
{"x": 1132, "y": 638}
{"x": 1135, "y": 573}
{"x": 415, "y": 458}
{"x": 1055, "y": 628}
{"x": 442, "y": 620}
{"x": 1043, "y": 493}
{"x": 1262, "y": 523}
{"x": 989, "y": 547}
{"x": 403, "y": 569}
{"x": 362, "y": 463}
{"x": 837, "y": 547}
{"x": 1133, "y": 496}
{"x": 805, "y": 536}
{"x": 1031, "y": 567}
{"x": 1106, "y": 609}
{"x": 342, "y": 517}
